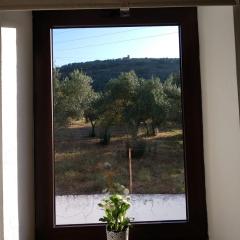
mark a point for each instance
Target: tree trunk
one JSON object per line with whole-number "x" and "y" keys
{"x": 153, "y": 130}
{"x": 105, "y": 138}
{"x": 93, "y": 134}
{"x": 130, "y": 169}
{"x": 146, "y": 126}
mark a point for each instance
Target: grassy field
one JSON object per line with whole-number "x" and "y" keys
{"x": 84, "y": 166}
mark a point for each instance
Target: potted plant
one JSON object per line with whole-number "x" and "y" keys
{"x": 115, "y": 207}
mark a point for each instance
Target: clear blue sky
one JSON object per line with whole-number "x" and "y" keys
{"x": 89, "y": 44}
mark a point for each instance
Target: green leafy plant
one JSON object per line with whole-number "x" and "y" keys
{"x": 115, "y": 207}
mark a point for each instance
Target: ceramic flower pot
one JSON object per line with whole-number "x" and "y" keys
{"x": 117, "y": 235}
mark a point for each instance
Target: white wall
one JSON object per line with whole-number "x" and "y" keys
{"x": 220, "y": 120}
{"x": 22, "y": 134}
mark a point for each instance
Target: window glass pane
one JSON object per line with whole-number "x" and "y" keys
{"x": 118, "y": 121}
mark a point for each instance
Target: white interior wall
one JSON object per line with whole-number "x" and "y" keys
{"x": 220, "y": 120}
{"x": 1, "y": 176}
{"x": 22, "y": 134}
{"x": 9, "y": 132}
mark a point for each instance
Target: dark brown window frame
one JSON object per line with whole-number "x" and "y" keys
{"x": 73, "y": 4}
{"x": 236, "y": 11}
{"x": 195, "y": 227}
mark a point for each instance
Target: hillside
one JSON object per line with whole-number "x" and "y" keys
{"x": 102, "y": 71}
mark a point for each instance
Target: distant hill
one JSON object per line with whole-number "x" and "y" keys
{"x": 102, "y": 71}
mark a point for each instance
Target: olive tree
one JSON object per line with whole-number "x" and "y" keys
{"x": 72, "y": 97}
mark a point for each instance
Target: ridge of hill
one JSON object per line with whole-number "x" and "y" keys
{"x": 102, "y": 71}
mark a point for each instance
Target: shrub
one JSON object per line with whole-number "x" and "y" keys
{"x": 115, "y": 208}
{"x": 105, "y": 138}
{"x": 138, "y": 148}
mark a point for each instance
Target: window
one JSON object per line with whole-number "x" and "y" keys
{"x": 120, "y": 96}
{"x": 132, "y": 131}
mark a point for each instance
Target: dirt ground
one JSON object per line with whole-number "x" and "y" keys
{"x": 84, "y": 166}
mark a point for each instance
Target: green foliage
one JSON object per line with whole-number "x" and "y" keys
{"x": 123, "y": 87}
{"x": 91, "y": 112}
{"x": 149, "y": 106}
{"x": 115, "y": 208}
{"x": 102, "y": 71}
{"x": 119, "y": 94}
{"x": 127, "y": 101}
{"x": 174, "y": 78}
{"x": 71, "y": 97}
{"x": 173, "y": 93}
{"x": 130, "y": 100}
{"x": 155, "y": 104}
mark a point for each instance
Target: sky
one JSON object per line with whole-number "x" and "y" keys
{"x": 89, "y": 44}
